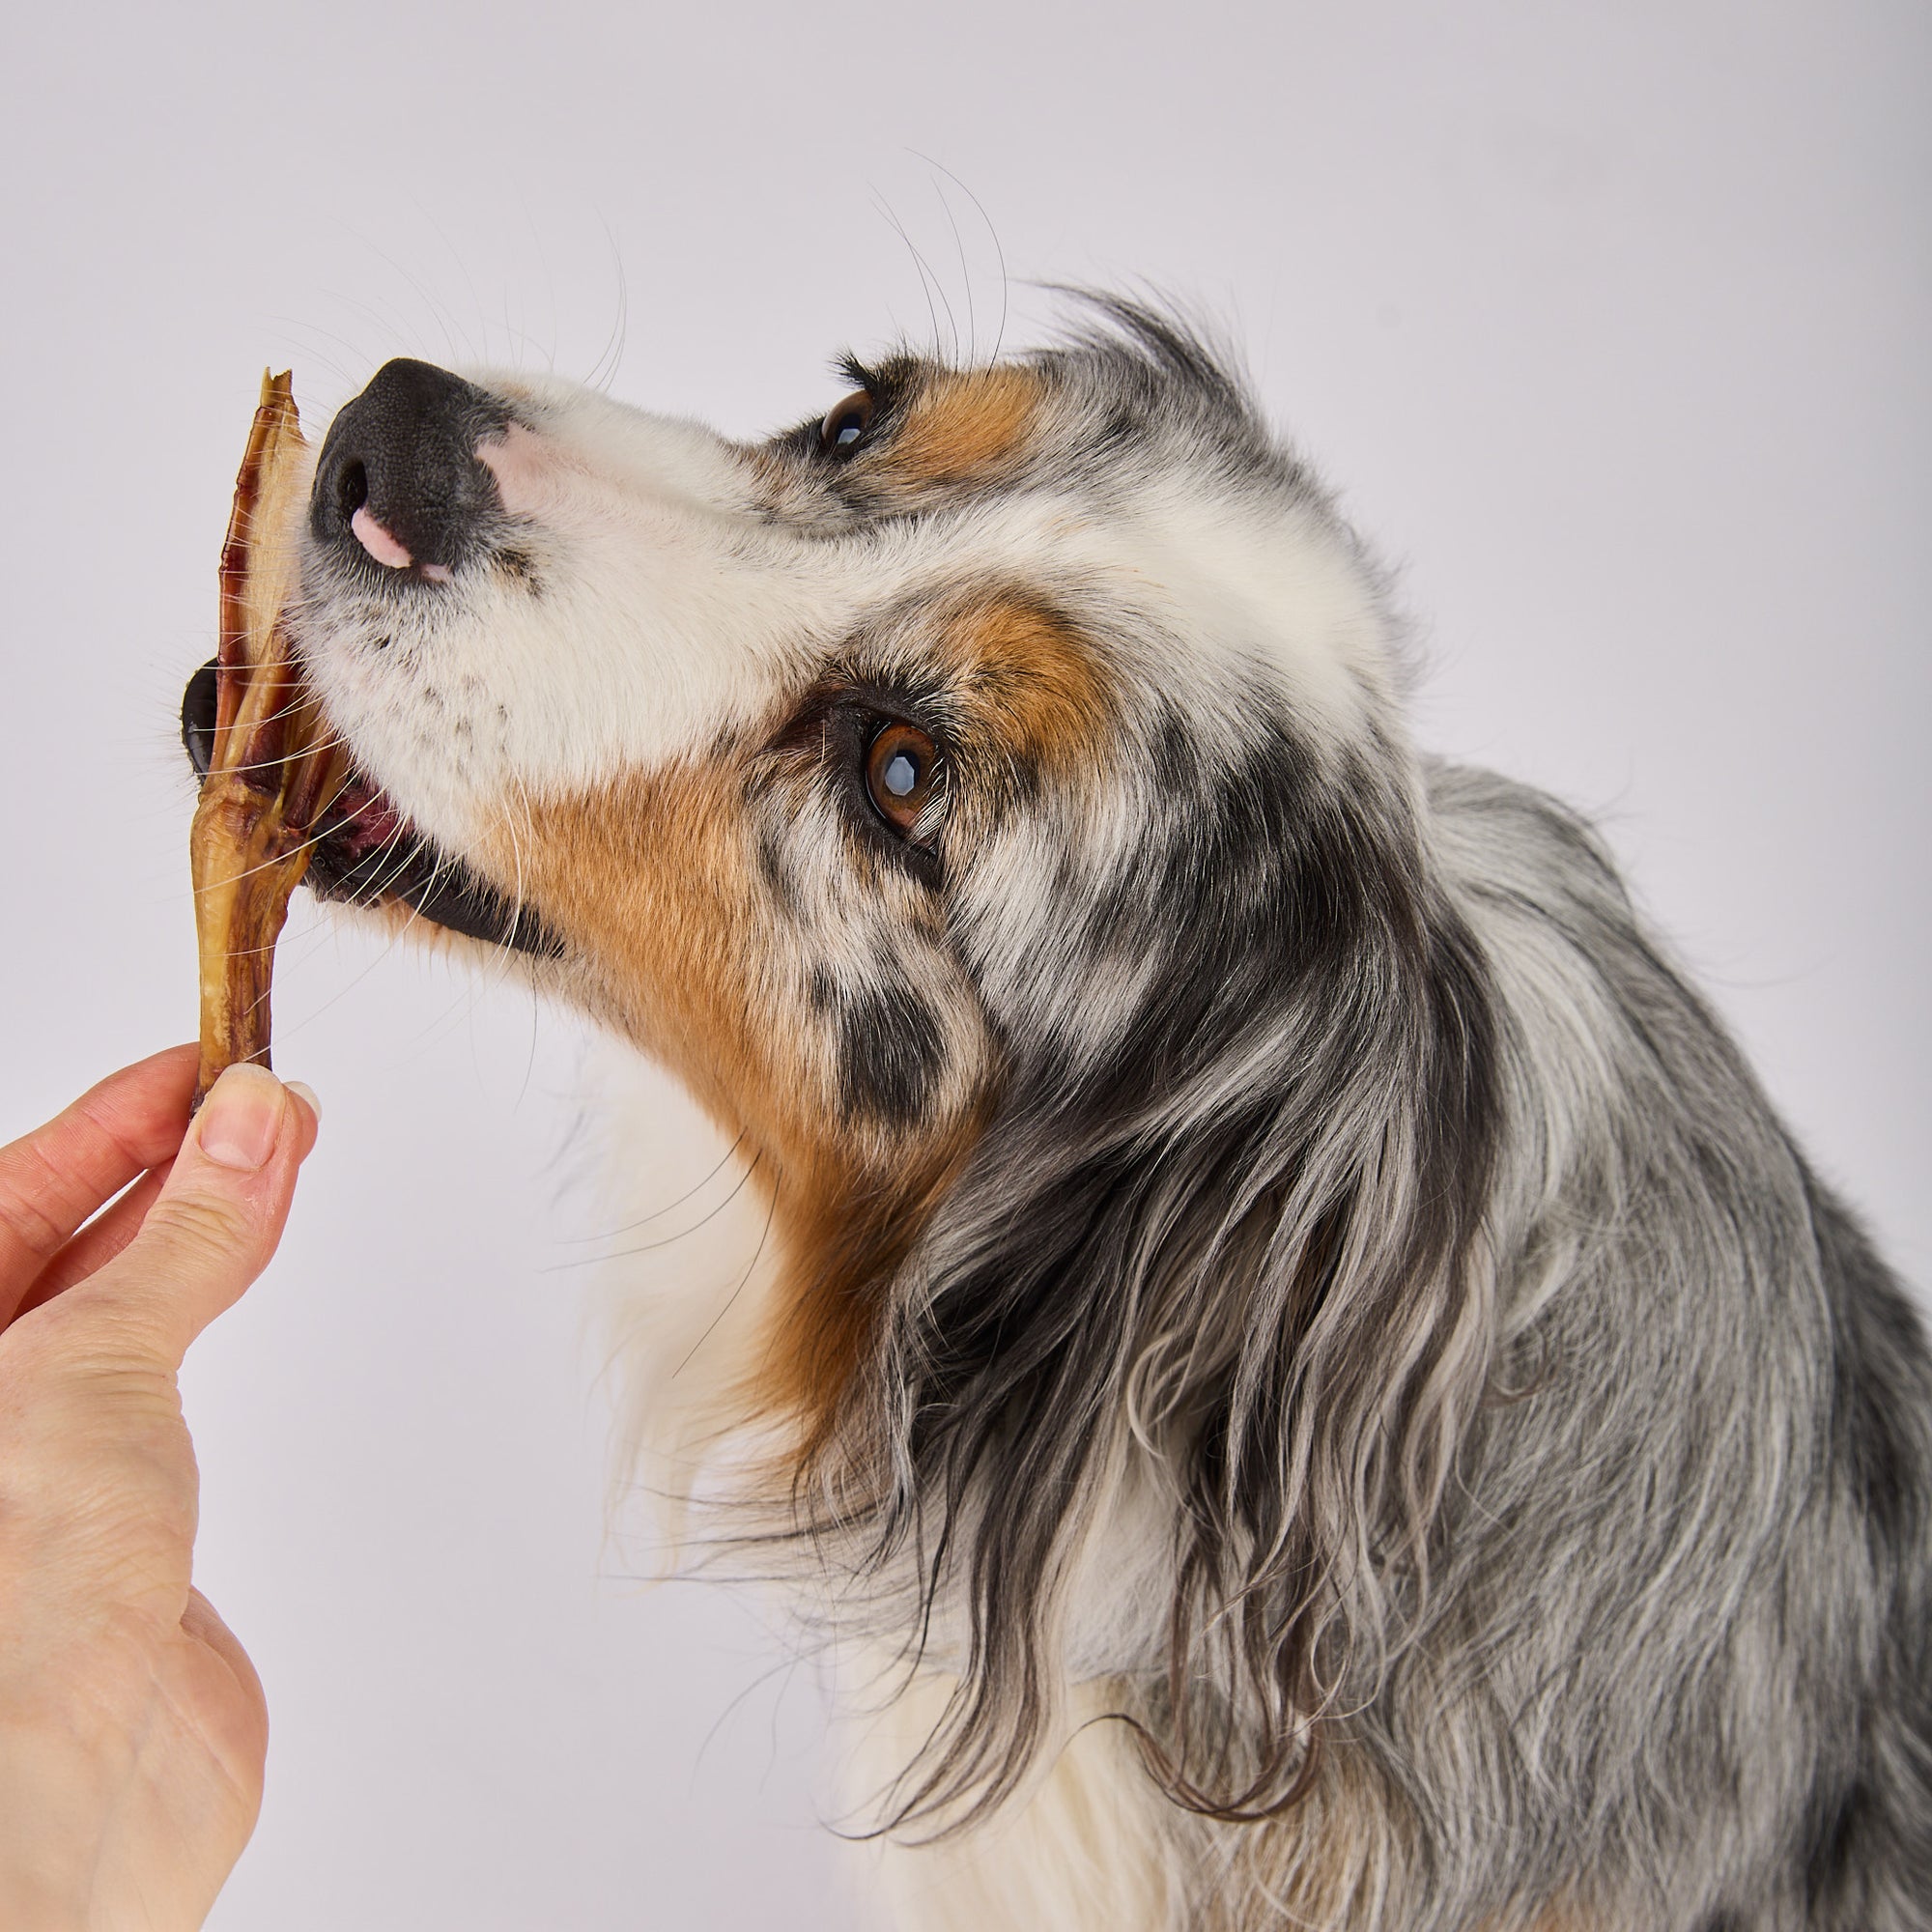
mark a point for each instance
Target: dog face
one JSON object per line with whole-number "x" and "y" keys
{"x": 854, "y": 773}
{"x": 991, "y": 800}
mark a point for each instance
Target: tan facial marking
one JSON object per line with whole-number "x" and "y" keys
{"x": 841, "y": 1240}
{"x": 966, "y": 427}
{"x": 654, "y": 887}
{"x": 1036, "y": 682}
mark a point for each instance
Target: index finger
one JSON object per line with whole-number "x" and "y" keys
{"x": 55, "y": 1177}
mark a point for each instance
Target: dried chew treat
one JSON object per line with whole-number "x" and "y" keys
{"x": 273, "y": 766}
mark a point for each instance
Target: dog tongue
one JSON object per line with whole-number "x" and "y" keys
{"x": 369, "y": 819}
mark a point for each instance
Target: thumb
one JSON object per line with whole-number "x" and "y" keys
{"x": 217, "y": 1219}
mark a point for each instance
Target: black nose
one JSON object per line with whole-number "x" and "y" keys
{"x": 404, "y": 451}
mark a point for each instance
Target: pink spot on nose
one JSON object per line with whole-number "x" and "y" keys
{"x": 376, "y": 541}
{"x": 524, "y": 468}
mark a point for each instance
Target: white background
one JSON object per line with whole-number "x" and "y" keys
{"x": 1610, "y": 320}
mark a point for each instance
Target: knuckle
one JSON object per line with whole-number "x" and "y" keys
{"x": 209, "y": 1228}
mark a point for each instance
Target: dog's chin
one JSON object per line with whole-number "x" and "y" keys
{"x": 368, "y": 853}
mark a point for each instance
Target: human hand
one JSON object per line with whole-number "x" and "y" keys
{"x": 132, "y": 1727}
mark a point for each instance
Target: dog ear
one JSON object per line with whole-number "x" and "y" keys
{"x": 1356, "y": 1301}
{"x": 1238, "y": 1254}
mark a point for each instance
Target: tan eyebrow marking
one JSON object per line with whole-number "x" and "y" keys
{"x": 1037, "y": 680}
{"x": 965, "y": 426}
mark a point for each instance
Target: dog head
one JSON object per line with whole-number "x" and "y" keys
{"x": 990, "y": 799}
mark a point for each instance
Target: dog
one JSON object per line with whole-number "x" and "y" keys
{"x": 1284, "y": 1330}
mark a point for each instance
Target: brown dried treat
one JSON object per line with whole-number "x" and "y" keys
{"x": 273, "y": 767}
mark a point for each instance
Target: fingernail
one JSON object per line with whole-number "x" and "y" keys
{"x": 240, "y": 1118}
{"x": 307, "y": 1095}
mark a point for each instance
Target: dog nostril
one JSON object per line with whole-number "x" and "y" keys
{"x": 351, "y": 489}
{"x": 399, "y": 464}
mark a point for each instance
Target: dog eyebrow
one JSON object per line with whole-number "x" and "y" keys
{"x": 965, "y": 427}
{"x": 1034, "y": 673}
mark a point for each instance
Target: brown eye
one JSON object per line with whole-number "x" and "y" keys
{"x": 847, "y": 424}
{"x": 902, "y": 777}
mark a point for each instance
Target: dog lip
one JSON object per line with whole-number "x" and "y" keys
{"x": 198, "y": 719}
{"x": 366, "y": 852}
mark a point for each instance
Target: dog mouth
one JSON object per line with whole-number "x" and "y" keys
{"x": 366, "y": 852}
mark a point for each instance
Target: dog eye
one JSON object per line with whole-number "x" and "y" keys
{"x": 903, "y": 776}
{"x": 846, "y": 425}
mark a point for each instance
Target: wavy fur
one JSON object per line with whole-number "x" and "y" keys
{"x": 1282, "y": 1340}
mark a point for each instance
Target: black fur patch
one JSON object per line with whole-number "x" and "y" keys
{"x": 890, "y": 1052}
{"x": 776, "y": 872}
